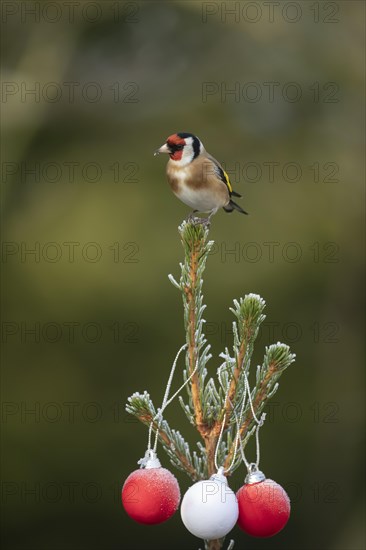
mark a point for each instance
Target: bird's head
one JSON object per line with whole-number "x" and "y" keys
{"x": 182, "y": 148}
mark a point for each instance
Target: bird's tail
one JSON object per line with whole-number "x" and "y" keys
{"x": 233, "y": 206}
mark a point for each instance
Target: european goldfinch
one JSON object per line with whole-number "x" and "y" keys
{"x": 196, "y": 178}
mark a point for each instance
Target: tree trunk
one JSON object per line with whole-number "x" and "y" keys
{"x": 215, "y": 544}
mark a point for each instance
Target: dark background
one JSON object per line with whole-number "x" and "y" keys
{"x": 82, "y": 189}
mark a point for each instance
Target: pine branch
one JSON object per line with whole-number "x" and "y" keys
{"x": 277, "y": 358}
{"x": 196, "y": 247}
{"x": 204, "y": 400}
{"x": 141, "y": 406}
{"x": 249, "y": 314}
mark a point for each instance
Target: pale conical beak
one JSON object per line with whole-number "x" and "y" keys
{"x": 163, "y": 149}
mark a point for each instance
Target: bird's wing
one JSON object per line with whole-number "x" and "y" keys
{"x": 220, "y": 172}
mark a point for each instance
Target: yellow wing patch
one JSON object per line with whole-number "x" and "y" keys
{"x": 228, "y": 181}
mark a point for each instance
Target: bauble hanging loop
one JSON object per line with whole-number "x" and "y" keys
{"x": 264, "y": 506}
{"x": 150, "y": 495}
{"x": 254, "y": 475}
{"x": 209, "y": 508}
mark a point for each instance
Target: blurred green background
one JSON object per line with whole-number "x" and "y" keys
{"x": 89, "y": 91}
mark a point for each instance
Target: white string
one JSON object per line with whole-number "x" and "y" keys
{"x": 167, "y": 401}
{"x": 237, "y": 438}
{"x": 259, "y": 422}
{"x": 238, "y": 424}
{"x": 219, "y": 441}
{"x": 237, "y": 433}
{"x": 170, "y": 400}
{"x": 257, "y": 446}
{"x": 250, "y": 397}
{"x": 222, "y": 428}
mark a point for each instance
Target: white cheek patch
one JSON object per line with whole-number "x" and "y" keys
{"x": 188, "y": 153}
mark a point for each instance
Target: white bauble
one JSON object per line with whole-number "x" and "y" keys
{"x": 209, "y": 508}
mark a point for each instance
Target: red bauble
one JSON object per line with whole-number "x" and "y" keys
{"x": 150, "y": 495}
{"x": 264, "y": 506}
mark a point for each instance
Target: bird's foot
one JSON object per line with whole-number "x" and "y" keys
{"x": 195, "y": 220}
{"x": 191, "y": 218}
{"x": 206, "y": 221}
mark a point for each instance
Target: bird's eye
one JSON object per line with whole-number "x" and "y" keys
{"x": 179, "y": 147}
